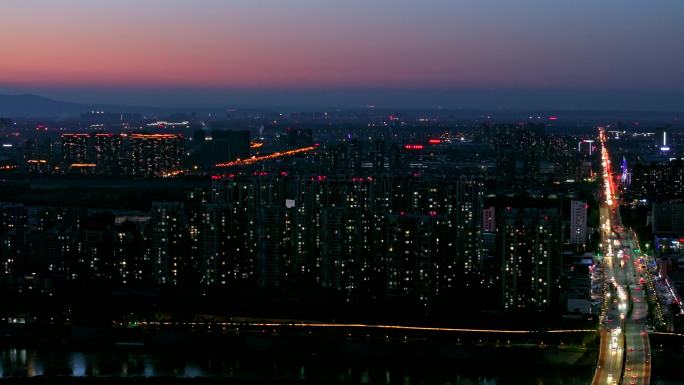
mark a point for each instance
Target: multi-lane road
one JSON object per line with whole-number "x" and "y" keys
{"x": 624, "y": 356}
{"x": 629, "y": 277}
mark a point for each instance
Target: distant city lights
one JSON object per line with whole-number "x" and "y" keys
{"x": 275, "y": 155}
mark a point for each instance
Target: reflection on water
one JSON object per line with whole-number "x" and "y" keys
{"x": 149, "y": 369}
{"x": 192, "y": 371}
{"x": 135, "y": 363}
{"x": 78, "y": 365}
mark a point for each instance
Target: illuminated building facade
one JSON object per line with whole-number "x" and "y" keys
{"x": 168, "y": 252}
{"x": 154, "y": 155}
{"x": 76, "y": 148}
{"x": 142, "y": 155}
{"x": 108, "y": 153}
{"x": 578, "y": 222}
{"x": 530, "y": 247}
{"x": 353, "y": 234}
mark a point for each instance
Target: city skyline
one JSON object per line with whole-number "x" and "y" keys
{"x": 362, "y": 192}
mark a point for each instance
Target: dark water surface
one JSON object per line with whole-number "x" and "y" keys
{"x": 193, "y": 363}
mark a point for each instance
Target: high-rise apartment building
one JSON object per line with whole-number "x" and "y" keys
{"x": 168, "y": 234}
{"x": 155, "y": 154}
{"x": 108, "y": 153}
{"x": 530, "y": 247}
{"x": 76, "y": 148}
{"x": 578, "y": 222}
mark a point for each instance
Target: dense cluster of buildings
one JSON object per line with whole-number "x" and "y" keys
{"x": 657, "y": 182}
{"x": 483, "y": 217}
{"x": 414, "y": 238}
{"x": 138, "y": 154}
{"x": 143, "y": 155}
{"x": 527, "y": 157}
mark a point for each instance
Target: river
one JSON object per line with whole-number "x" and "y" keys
{"x": 134, "y": 362}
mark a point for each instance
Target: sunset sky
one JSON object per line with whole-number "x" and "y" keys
{"x": 132, "y": 50}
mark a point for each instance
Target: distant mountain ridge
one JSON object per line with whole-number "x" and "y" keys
{"x": 29, "y": 105}
{"x": 35, "y": 106}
